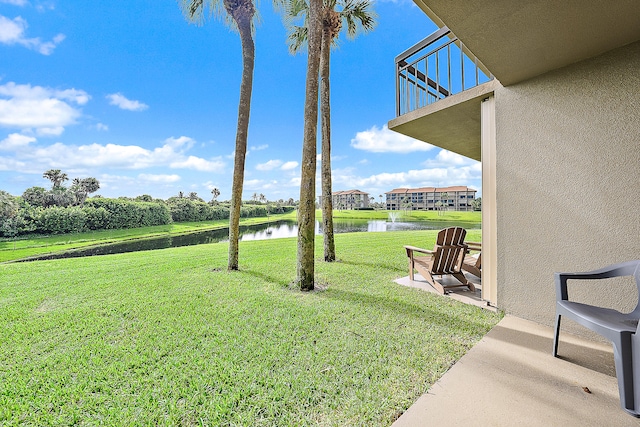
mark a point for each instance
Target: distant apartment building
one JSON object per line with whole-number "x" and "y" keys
{"x": 350, "y": 199}
{"x": 430, "y": 198}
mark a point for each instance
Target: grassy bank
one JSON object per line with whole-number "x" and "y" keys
{"x": 445, "y": 216}
{"x": 169, "y": 337}
{"x": 13, "y": 249}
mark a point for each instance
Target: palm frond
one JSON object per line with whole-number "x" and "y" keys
{"x": 196, "y": 11}
{"x": 297, "y": 39}
{"x": 359, "y": 16}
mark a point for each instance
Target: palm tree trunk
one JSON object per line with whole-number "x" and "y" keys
{"x": 244, "y": 108}
{"x": 306, "y": 211}
{"x": 325, "y": 113}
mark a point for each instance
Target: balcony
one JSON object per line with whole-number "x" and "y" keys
{"x": 434, "y": 69}
{"x": 440, "y": 86}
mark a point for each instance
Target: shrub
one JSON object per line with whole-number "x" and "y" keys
{"x": 125, "y": 213}
{"x": 58, "y": 220}
{"x": 96, "y": 218}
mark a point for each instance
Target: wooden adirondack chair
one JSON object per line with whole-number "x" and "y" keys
{"x": 445, "y": 258}
{"x": 473, "y": 263}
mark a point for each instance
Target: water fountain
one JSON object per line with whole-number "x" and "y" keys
{"x": 393, "y": 215}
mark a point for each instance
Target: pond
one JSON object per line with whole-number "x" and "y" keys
{"x": 272, "y": 230}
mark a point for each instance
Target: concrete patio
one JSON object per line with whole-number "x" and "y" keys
{"x": 510, "y": 378}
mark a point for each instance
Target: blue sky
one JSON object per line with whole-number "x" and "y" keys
{"x": 131, "y": 93}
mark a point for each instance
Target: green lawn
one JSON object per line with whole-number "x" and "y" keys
{"x": 169, "y": 337}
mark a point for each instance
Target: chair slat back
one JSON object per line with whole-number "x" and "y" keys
{"x": 449, "y": 251}
{"x": 451, "y": 236}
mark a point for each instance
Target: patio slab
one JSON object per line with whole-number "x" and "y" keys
{"x": 510, "y": 378}
{"x": 461, "y": 294}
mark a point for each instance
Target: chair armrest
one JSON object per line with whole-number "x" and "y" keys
{"x": 415, "y": 249}
{"x": 629, "y": 268}
{"x": 474, "y": 246}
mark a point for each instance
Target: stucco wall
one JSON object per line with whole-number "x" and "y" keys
{"x": 568, "y": 182}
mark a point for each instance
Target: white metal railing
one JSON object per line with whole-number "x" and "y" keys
{"x": 435, "y": 68}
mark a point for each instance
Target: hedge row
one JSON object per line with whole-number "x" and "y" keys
{"x": 108, "y": 214}
{"x": 122, "y": 213}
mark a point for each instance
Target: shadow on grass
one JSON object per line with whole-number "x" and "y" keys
{"x": 263, "y": 276}
{"x": 444, "y": 317}
{"x": 372, "y": 265}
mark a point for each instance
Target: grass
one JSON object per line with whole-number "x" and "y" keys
{"x": 169, "y": 337}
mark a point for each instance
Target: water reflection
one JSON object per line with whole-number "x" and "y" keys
{"x": 274, "y": 230}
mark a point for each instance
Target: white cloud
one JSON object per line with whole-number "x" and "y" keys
{"x": 16, "y": 141}
{"x": 252, "y": 183}
{"x": 198, "y": 164}
{"x": 468, "y": 173}
{"x": 259, "y": 147}
{"x": 27, "y": 91}
{"x": 12, "y": 31}
{"x": 120, "y": 101}
{"x": 449, "y": 158}
{"x": 288, "y": 166}
{"x": 93, "y": 156}
{"x": 50, "y": 131}
{"x": 386, "y": 141}
{"x": 15, "y": 2}
{"x": 45, "y": 109}
{"x": 294, "y": 182}
{"x": 270, "y": 165}
{"x": 164, "y": 179}
{"x": 102, "y": 127}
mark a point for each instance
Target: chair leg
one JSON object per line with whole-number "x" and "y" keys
{"x": 556, "y": 336}
{"x": 623, "y": 358}
{"x": 437, "y": 286}
{"x": 463, "y": 280}
{"x": 410, "y": 268}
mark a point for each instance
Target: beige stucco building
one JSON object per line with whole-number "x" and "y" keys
{"x": 348, "y": 199}
{"x": 456, "y": 198}
{"x": 557, "y": 129}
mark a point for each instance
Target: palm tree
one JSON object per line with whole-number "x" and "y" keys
{"x": 241, "y": 15}
{"x": 445, "y": 202}
{"x": 262, "y": 198}
{"x": 358, "y": 16}
{"x": 83, "y": 187}
{"x": 215, "y": 193}
{"x": 312, "y": 31}
{"x": 56, "y": 176}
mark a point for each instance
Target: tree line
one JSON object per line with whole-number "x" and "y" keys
{"x": 60, "y": 210}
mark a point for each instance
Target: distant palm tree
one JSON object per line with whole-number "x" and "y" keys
{"x": 262, "y": 198}
{"x": 215, "y": 193}
{"x": 56, "y": 176}
{"x": 83, "y": 187}
{"x": 240, "y": 15}
{"x": 194, "y": 196}
{"x": 358, "y": 17}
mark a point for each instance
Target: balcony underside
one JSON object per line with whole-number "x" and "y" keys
{"x": 518, "y": 40}
{"x": 452, "y": 123}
